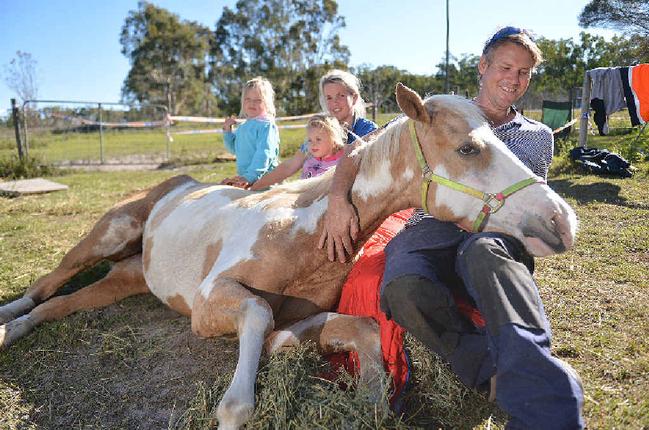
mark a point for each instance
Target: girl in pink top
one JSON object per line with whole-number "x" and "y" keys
{"x": 325, "y": 139}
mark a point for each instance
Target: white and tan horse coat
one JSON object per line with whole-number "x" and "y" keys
{"x": 238, "y": 262}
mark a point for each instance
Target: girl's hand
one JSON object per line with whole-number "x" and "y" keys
{"x": 229, "y": 122}
{"x": 236, "y": 181}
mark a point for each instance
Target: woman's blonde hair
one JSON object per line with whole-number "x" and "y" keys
{"x": 349, "y": 81}
{"x": 267, "y": 94}
{"x": 329, "y": 124}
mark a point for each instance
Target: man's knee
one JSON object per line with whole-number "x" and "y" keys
{"x": 400, "y": 295}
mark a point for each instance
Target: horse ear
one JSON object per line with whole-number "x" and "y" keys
{"x": 411, "y": 104}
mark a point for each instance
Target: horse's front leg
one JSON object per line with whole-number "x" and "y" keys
{"x": 224, "y": 306}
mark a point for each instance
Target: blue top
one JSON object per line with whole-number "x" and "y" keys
{"x": 255, "y": 143}
{"x": 361, "y": 127}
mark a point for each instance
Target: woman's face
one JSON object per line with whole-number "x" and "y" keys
{"x": 506, "y": 77}
{"x": 340, "y": 101}
{"x": 253, "y": 103}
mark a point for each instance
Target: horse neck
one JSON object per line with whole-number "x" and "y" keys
{"x": 388, "y": 178}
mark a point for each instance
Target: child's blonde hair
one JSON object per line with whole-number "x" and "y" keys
{"x": 267, "y": 94}
{"x": 331, "y": 125}
{"x": 351, "y": 82}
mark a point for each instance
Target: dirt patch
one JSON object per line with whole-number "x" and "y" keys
{"x": 134, "y": 365}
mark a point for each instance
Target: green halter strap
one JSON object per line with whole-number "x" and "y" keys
{"x": 492, "y": 202}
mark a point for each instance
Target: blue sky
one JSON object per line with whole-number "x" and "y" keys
{"x": 76, "y": 42}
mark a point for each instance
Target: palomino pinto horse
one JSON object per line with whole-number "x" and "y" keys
{"x": 236, "y": 261}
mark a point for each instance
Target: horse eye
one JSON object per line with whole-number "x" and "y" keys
{"x": 468, "y": 149}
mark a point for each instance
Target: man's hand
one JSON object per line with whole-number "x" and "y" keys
{"x": 236, "y": 181}
{"x": 340, "y": 229}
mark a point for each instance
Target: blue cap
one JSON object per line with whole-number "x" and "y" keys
{"x": 504, "y": 33}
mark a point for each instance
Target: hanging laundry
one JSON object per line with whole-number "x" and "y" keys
{"x": 607, "y": 95}
{"x": 639, "y": 83}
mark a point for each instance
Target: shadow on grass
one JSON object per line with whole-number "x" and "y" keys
{"x": 604, "y": 192}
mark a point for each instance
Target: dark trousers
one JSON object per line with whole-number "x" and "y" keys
{"x": 429, "y": 263}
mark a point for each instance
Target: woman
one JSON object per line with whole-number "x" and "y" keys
{"x": 510, "y": 355}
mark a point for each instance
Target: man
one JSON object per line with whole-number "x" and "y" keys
{"x": 430, "y": 262}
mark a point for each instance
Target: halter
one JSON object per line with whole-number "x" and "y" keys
{"x": 492, "y": 202}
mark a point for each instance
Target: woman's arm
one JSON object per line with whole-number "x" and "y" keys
{"x": 341, "y": 222}
{"x": 281, "y": 172}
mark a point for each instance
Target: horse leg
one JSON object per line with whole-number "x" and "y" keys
{"x": 334, "y": 332}
{"x": 230, "y": 308}
{"x": 117, "y": 235}
{"x": 124, "y": 279}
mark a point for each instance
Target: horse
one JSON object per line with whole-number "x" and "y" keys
{"x": 245, "y": 263}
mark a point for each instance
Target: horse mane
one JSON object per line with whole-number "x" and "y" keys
{"x": 381, "y": 145}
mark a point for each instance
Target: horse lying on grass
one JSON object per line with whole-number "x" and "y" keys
{"x": 239, "y": 262}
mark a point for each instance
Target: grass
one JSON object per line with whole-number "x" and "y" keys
{"x": 135, "y": 146}
{"x": 137, "y": 365}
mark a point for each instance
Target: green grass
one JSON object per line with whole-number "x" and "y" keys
{"x": 136, "y": 363}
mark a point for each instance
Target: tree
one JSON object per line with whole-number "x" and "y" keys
{"x": 462, "y": 74}
{"x": 378, "y": 85}
{"x": 626, "y": 15}
{"x": 20, "y": 76}
{"x": 283, "y": 40}
{"x": 168, "y": 60}
{"x": 630, "y": 16}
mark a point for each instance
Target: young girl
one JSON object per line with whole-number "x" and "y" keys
{"x": 255, "y": 143}
{"x": 325, "y": 141}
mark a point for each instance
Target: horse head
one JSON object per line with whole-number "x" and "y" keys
{"x": 472, "y": 179}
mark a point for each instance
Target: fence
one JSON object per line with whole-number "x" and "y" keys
{"x": 69, "y": 133}
{"x": 81, "y": 132}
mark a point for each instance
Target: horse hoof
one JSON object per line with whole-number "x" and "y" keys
{"x": 14, "y": 330}
{"x": 14, "y": 309}
{"x": 232, "y": 414}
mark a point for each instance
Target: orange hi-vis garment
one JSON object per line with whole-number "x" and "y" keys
{"x": 639, "y": 83}
{"x": 635, "y": 82}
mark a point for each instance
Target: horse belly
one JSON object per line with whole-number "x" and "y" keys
{"x": 180, "y": 239}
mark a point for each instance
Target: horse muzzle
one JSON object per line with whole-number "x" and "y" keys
{"x": 550, "y": 232}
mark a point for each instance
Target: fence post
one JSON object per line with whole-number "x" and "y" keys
{"x": 15, "y": 114}
{"x": 101, "y": 137}
{"x": 585, "y": 98}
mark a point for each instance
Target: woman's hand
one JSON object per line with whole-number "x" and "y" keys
{"x": 340, "y": 229}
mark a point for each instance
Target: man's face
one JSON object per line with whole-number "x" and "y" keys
{"x": 506, "y": 76}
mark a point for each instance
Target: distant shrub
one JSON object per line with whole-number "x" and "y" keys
{"x": 29, "y": 167}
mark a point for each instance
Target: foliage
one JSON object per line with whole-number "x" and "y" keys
{"x": 462, "y": 74}
{"x": 21, "y": 76}
{"x": 168, "y": 60}
{"x": 287, "y": 41}
{"x": 626, "y": 15}
{"x": 566, "y": 60}
{"x": 29, "y": 167}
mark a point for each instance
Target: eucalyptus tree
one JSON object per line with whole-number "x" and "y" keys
{"x": 168, "y": 58}
{"x": 290, "y": 42}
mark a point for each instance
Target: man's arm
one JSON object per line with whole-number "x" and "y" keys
{"x": 341, "y": 222}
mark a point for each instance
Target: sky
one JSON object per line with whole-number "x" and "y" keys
{"x": 76, "y": 42}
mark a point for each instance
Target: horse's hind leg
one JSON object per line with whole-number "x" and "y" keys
{"x": 125, "y": 279}
{"x": 229, "y": 307}
{"x": 334, "y": 332}
{"x": 117, "y": 235}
